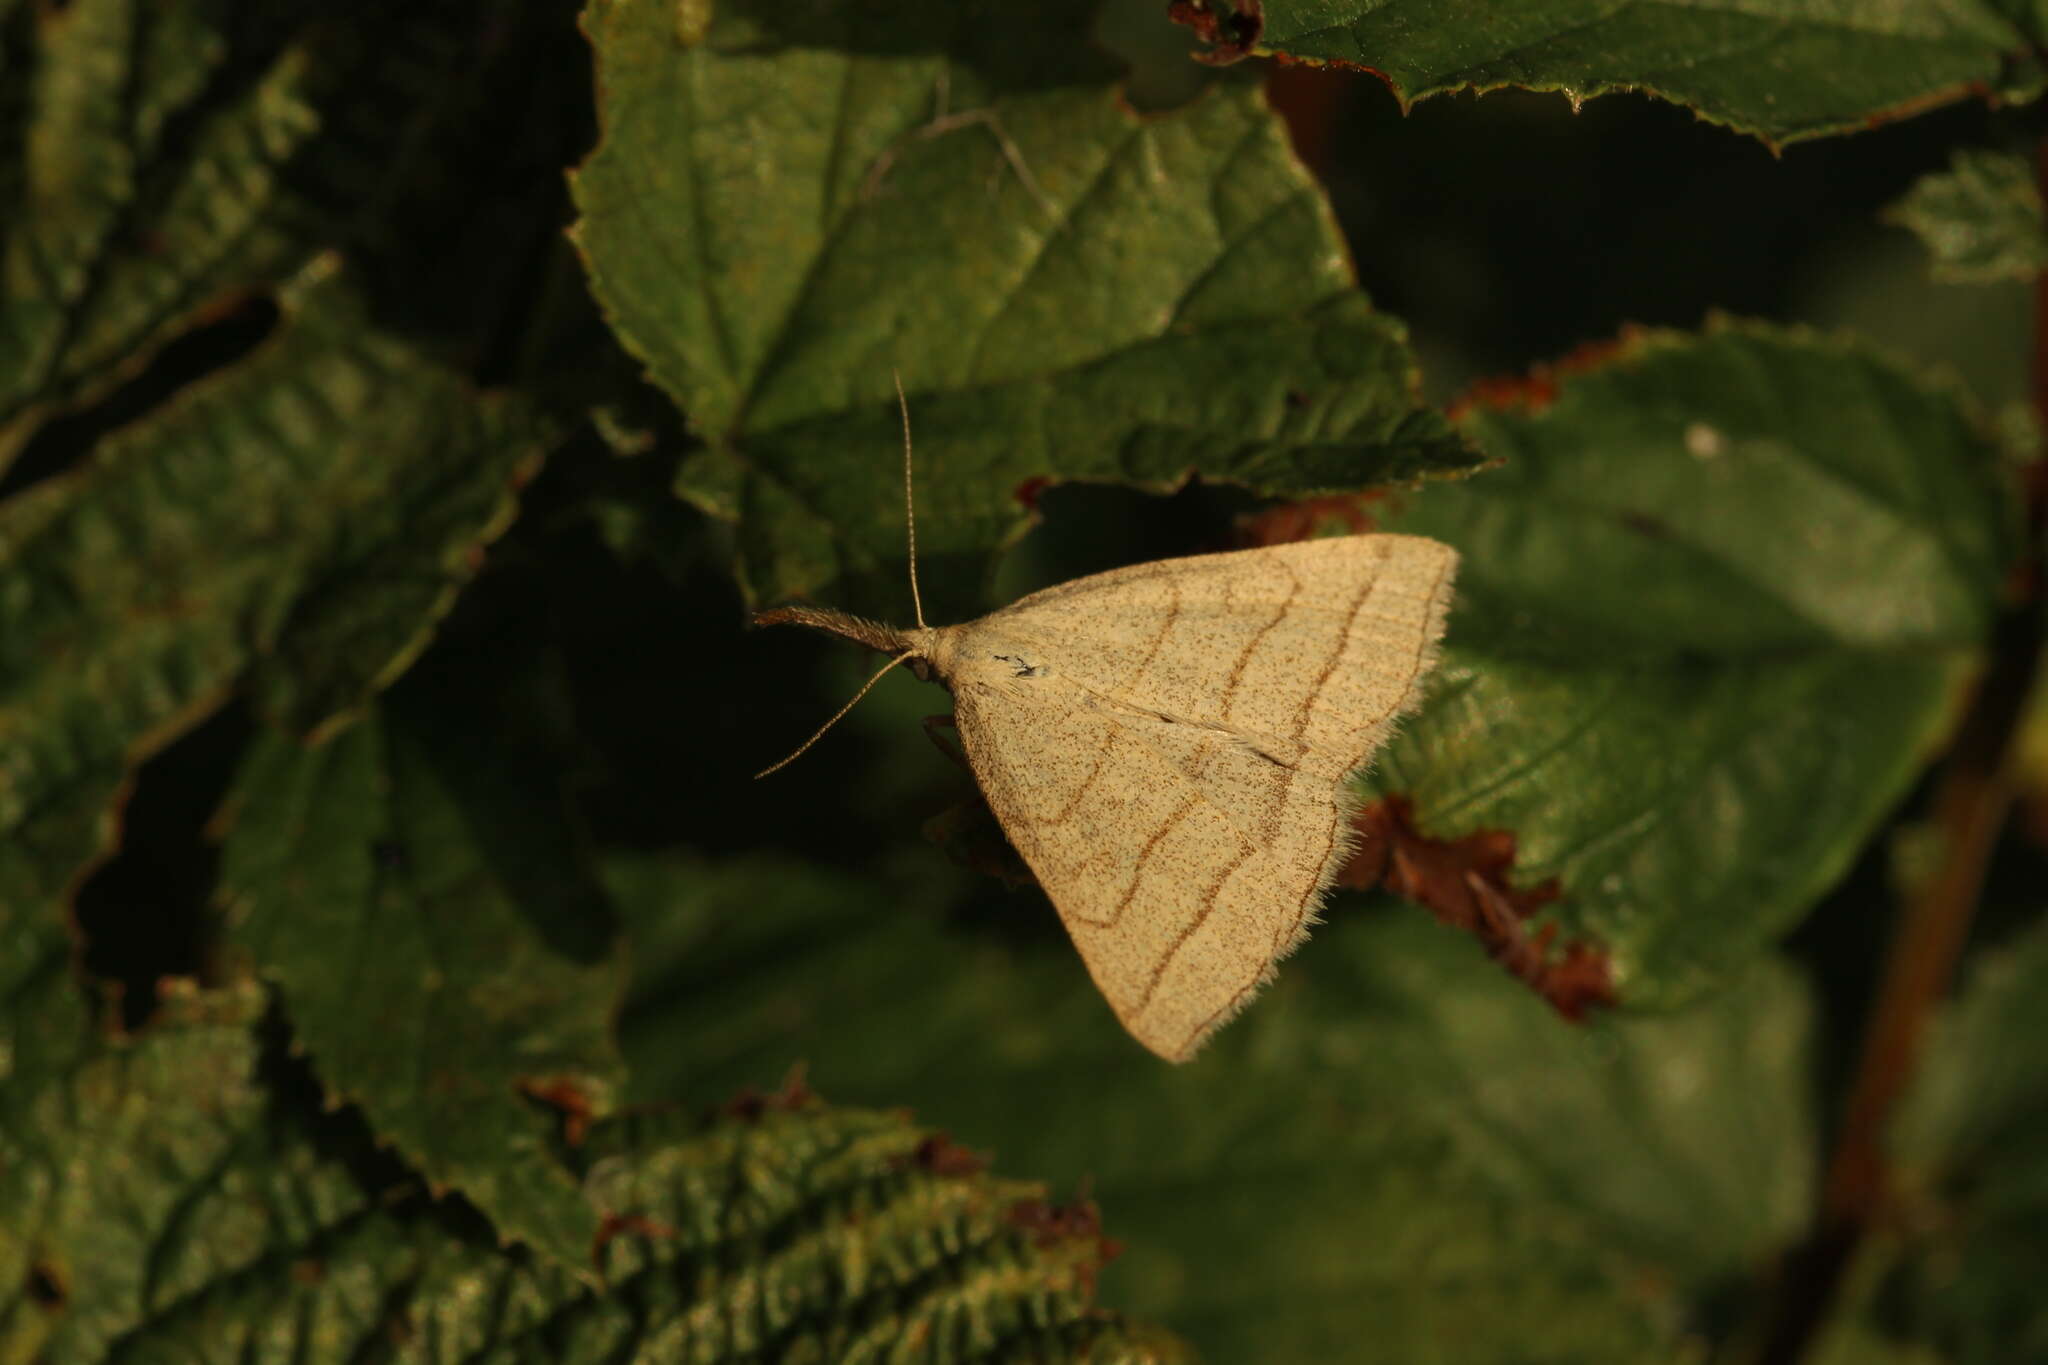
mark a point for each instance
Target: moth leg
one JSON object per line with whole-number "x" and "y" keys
{"x": 932, "y": 726}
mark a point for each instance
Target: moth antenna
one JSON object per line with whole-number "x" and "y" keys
{"x": 909, "y": 502}
{"x": 836, "y": 715}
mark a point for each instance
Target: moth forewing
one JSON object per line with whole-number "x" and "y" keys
{"x": 1170, "y": 748}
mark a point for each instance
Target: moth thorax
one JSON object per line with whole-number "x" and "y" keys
{"x": 937, "y": 652}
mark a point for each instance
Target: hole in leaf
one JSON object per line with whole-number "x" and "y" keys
{"x": 46, "y": 1286}
{"x": 143, "y": 913}
{"x": 221, "y": 341}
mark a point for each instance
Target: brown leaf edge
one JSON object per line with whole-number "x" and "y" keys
{"x": 1464, "y": 883}
{"x": 568, "y": 1098}
{"x": 1286, "y": 522}
{"x": 940, "y": 1155}
{"x": 1232, "y": 28}
{"x": 1077, "y": 1225}
{"x": 750, "y": 1104}
{"x": 1536, "y": 390}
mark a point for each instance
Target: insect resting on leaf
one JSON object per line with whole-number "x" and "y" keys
{"x": 1170, "y": 746}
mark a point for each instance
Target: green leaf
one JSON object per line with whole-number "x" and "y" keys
{"x": 162, "y": 1204}
{"x": 1777, "y": 72}
{"x": 310, "y": 513}
{"x": 48, "y": 850}
{"x": 137, "y": 1171}
{"x": 814, "y": 1235}
{"x": 1979, "y": 1094}
{"x": 414, "y": 888}
{"x": 1396, "y": 1134}
{"x": 45, "y": 1034}
{"x": 779, "y": 214}
{"x": 148, "y": 185}
{"x": 168, "y": 166}
{"x": 1980, "y": 219}
{"x": 1966, "y": 1261}
{"x": 860, "y": 1236}
{"x": 1711, "y": 620}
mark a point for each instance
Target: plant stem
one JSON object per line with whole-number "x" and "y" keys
{"x": 1970, "y": 808}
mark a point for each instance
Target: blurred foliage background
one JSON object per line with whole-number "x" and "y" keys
{"x": 525, "y": 884}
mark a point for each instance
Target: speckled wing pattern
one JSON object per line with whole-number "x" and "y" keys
{"x": 1169, "y": 747}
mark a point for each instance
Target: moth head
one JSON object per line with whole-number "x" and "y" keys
{"x": 913, "y": 647}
